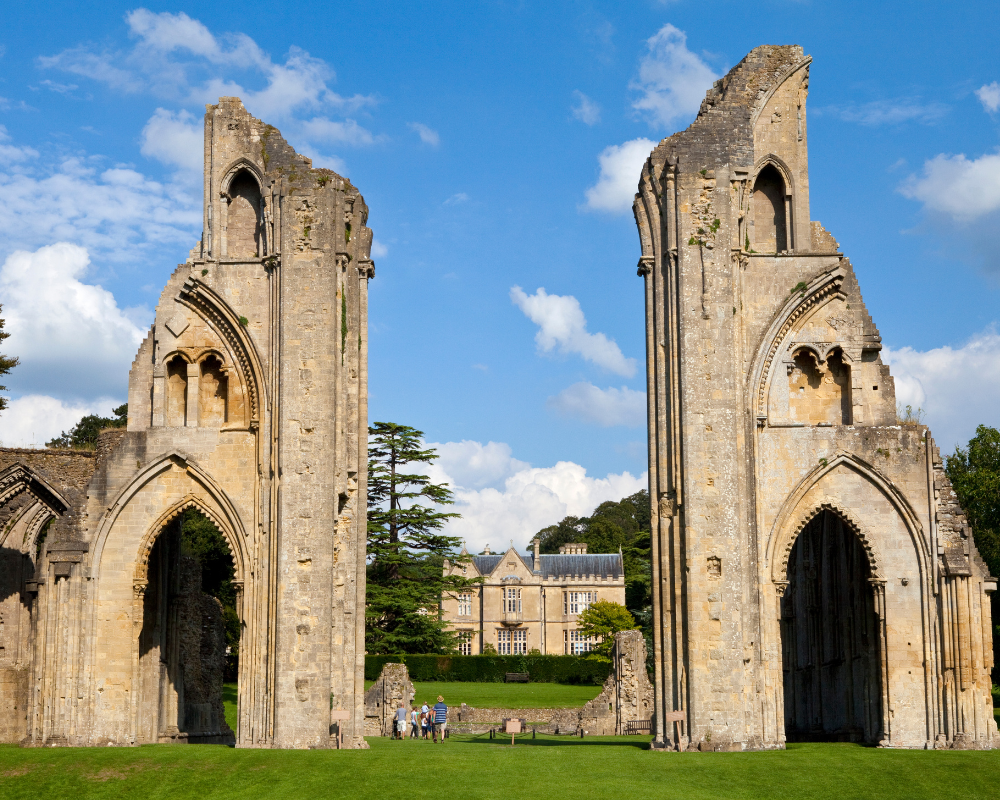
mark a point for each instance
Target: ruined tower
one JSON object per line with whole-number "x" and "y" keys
{"x": 813, "y": 575}
{"x": 247, "y": 402}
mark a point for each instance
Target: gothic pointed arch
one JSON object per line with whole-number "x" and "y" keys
{"x": 20, "y": 478}
{"x": 221, "y": 525}
{"x": 792, "y": 517}
{"x": 803, "y": 301}
{"x": 227, "y": 518}
{"x": 229, "y": 325}
{"x": 234, "y": 168}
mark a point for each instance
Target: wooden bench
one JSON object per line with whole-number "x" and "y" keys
{"x": 516, "y": 677}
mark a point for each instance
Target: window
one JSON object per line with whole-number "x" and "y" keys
{"x": 575, "y": 643}
{"x": 244, "y": 233}
{"x": 576, "y": 602}
{"x": 177, "y": 381}
{"x": 465, "y": 643}
{"x": 213, "y": 390}
{"x": 770, "y": 234}
{"x": 503, "y": 642}
{"x": 519, "y": 642}
{"x": 511, "y": 601}
{"x": 819, "y": 393}
{"x": 465, "y": 605}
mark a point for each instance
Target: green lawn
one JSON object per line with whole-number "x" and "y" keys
{"x": 229, "y": 703}
{"x": 505, "y": 695}
{"x": 476, "y": 767}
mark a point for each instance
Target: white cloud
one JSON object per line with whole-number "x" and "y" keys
{"x": 672, "y": 80}
{"x": 561, "y": 324}
{"x": 10, "y": 152}
{"x": 456, "y": 199}
{"x": 117, "y": 214}
{"x": 32, "y": 420}
{"x": 605, "y": 407}
{"x": 989, "y": 96}
{"x": 427, "y": 135}
{"x": 379, "y": 250}
{"x": 473, "y": 465}
{"x": 621, "y": 166}
{"x": 890, "y": 112}
{"x": 956, "y": 186}
{"x": 586, "y": 110}
{"x": 61, "y": 88}
{"x": 529, "y": 499}
{"x": 176, "y": 139}
{"x": 348, "y": 132}
{"x": 72, "y": 338}
{"x": 956, "y": 387}
{"x": 177, "y": 57}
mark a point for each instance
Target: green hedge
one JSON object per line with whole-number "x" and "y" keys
{"x": 491, "y": 669}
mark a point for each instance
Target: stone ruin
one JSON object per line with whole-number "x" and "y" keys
{"x": 627, "y": 695}
{"x": 383, "y": 698}
{"x": 247, "y": 402}
{"x": 813, "y": 575}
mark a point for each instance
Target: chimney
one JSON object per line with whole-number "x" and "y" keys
{"x": 536, "y": 565}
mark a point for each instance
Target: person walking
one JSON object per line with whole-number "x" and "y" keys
{"x": 415, "y": 724}
{"x": 400, "y": 720}
{"x": 425, "y": 720}
{"x": 440, "y": 712}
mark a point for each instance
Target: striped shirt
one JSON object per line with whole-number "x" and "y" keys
{"x": 440, "y": 713}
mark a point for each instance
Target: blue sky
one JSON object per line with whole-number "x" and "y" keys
{"x": 497, "y": 145}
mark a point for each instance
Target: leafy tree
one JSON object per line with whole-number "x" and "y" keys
{"x": 83, "y": 435}
{"x": 202, "y": 540}
{"x": 603, "y": 620}
{"x": 6, "y": 364}
{"x": 406, "y": 549}
{"x": 975, "y": 475}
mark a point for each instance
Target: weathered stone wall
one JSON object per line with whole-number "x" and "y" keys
{"x": 392, "y": 689}
{"x": 770, "y": 411}
{"x": 247, "y": 402}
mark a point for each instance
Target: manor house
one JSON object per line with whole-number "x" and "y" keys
{"x": 531, "y": 602}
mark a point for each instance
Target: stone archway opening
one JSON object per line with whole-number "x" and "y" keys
{"x": 189, "y": 640}
{"x": 830, "y": 637}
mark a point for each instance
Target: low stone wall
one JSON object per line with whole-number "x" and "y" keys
{"x": 493, "y": 716}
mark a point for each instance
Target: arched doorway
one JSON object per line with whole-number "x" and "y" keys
{"x": 189, "y": 640}
{"x": 830, "y": 637}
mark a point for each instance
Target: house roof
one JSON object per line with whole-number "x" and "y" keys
{"x": 559, "y": 565}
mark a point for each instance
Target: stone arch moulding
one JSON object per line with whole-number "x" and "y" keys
{"x": 191, "y": 501}
{"x": 231, "y": 517}
{"x": 763, "y": 101}
{"x": 174, "y": 354}
{"x": 787, "y": 525}
{"x": 783, "y": 170}
{"x": 779, "y": 565}
{"x": 235, "y": 168}
{"x": 788, "y": 198}
{"x": 219, "y": 315}
{"x": 19, "y": 478}
{"x": 820, "y": 291}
